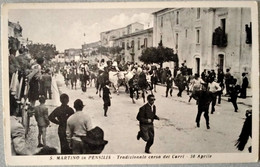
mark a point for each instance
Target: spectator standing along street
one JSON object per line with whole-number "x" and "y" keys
{"x": 234, "y": 91}
{"x": 18, "y": 144}
{"x": 41, "y": 117}
{"x": 77, "y": 126}
{"x": 47, "y": 78}
{"x": 244, "y": 86}
{"x": 220, "y": 81}
{"x": 34, "y": 77}
{"x": 228, "y": 81}
{"x": 59, "y": 116}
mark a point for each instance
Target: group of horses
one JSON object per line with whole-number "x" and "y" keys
{"x": 72, "y": 75}
{"x": 133, "y": 82}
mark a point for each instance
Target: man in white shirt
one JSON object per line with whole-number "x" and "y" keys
{"x": 77, "y": 126}
{"x": 214, "y": 88}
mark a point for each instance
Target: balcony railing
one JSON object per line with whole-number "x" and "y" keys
{"x": 219, "y": 38}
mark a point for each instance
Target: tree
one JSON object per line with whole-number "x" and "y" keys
{"x": 102, "y": 50}
{"x": 158, "y": 55}
{"x": 149, "y": 55}
{"x": 115, "y": 50}
{"x": 47, "y": 51}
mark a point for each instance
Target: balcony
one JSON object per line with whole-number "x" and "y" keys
{"x": 219, "y": 38}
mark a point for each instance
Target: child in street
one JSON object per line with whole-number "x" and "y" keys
{"x": 106, "y": 97}
{"x": 41, "y": 117}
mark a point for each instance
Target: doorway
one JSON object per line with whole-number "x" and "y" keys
{"x": 198, "y": 66}
{"x": 221, "y": 61}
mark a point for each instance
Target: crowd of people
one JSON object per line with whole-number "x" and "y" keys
{"x": 30, "y": 81}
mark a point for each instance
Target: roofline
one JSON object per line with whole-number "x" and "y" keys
{"x": 134, "y": 23}
{"x": 136, "y": 33}
{"x": 121, "y": 27}
{"x": 159, "y": 11}
{"x": 112, "y": 30}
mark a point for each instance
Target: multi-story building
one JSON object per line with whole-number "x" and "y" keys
{"x": 14, "y": 37}
{"x": 14, "y": 30}
{"x": 108, "y": 37}
{"x": 88, "y": 49}
{"x": 90, "y": 52}
{"x": 72, "y": 55}
{"x": 207, "y": 38}
{"x": 16, "y": 41}
{"x": 133, "y": 44}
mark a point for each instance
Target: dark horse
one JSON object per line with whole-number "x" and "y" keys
{"x": 101, "y": 79}
{"x": 73, "y": 77}
{"x": 139, "y": 82}
{"x": 84, "y": 79}
{"x": 246, "y": 132}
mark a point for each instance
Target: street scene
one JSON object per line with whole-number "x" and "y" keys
{"x": 132, "y": 81}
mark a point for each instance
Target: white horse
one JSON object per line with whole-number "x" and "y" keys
{"x": 117, "y": 79}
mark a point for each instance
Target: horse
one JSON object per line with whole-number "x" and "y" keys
{"x": 84, "y": 77}
{"x": 117, "y": 79}
{"x": 127, "y": 77}
{"x": 101, "y": 79}
{"x": 66, "y": 77}
{"x": 73, "y": 77}
{"x": 92, "y": 78}
{"x": 139, "y": 82}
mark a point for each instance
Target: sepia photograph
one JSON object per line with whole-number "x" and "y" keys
{"x": 130, "y": 83}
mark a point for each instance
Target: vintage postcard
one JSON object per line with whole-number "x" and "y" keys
{"x": 130, "y": 83}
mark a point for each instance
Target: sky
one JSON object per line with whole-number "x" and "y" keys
{"x": 65, "y": 28}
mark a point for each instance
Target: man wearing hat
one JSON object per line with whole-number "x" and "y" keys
{"x": 244, "y": 86}
{"x": 77, "y": 126}
{"x": 146, "y": 116}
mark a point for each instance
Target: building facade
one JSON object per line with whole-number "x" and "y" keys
{"x": 72, "y": 55}
{"x": 207, "y": 38}
{"x": 14, "y": 30}
{"x": 90, "y": 52}
{"x": 133, "y": 44}
{"x": 108, "y": 37}
{"x": 15, "y": 39}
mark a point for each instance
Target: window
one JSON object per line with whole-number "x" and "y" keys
{"x": 138, "y": 44}
{"x": 161, "y": 21}
{"x": 123, "y": 45}
{"x": 198, "y": 13}
{"x": 177, "y": 40}
{"x": 145, "y": 42}
{"x": 223, "y": 25}
{"x": 186, "y": 33}
{"x": 133, "y": 44}
{"x": 197, "y": 36}
{"x": 177, "y": 18}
